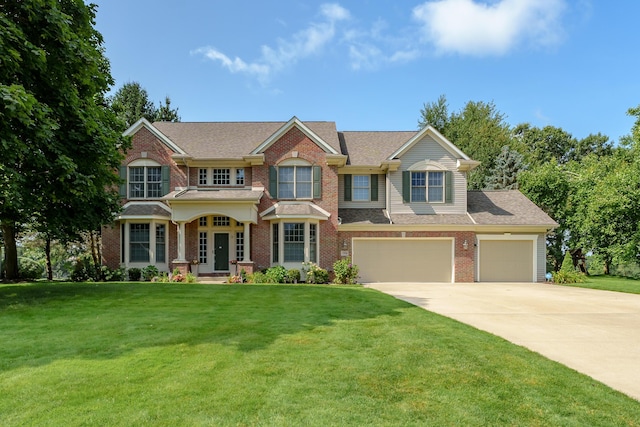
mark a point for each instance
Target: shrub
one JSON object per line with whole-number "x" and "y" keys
{"x": 109, "y": 275}
{"x": 190, "y": 278}
{"x": 345, "y": 272}
{"x": 149, "y": 272}
{"x": 276, "y": 274}
{"x": 293, "y": 275}
{"x": 258, "y": 277}
{"x": 315, "y": 274}
{"x": 564, "y": 277}
{"x": 30, "y": 269}
{"x": 134, "y": 274}
{"x": 84, "y": 270}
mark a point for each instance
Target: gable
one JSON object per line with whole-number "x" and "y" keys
{"x": 144, "y": 124}
{"x": 431, "y": 136}
{"x": 297, "y": 124}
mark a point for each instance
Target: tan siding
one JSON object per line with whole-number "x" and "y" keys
{"x": 342, "y": 204}
{"x": 542, "y": 257}
{"x": 428, "y": 148}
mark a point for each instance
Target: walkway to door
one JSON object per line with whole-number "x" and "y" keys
{"x": 594, "y": 332}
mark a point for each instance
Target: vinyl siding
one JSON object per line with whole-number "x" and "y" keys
{"x": 427, "y": 148}
{"x": 542, "y": 257}
{"x": 362, "y": 205}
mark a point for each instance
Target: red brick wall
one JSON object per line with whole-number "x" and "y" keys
{"x": 464, "y": 259}
{"x": 296, "y": 140}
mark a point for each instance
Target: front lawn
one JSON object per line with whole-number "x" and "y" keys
{"x": 611, "y": 283}
{"x": 176, "y": 354}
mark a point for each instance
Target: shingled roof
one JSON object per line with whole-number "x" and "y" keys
{"x": 372, "y": 148}
{"x": 224, "y": 140}
{"x": 505, "y": 207}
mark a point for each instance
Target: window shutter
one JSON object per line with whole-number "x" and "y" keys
{"x": 165, "y": 180}
{"x": 123, "y": 181}
{"x": 406, "y": 186}
{"x": 273, "y": 182}
{"x": 374, "y": 187}
{"x": 317, "y": 182}
{"x": 347, "y": 188}
{"x": 448, "y": 187}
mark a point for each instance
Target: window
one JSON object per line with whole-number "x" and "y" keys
{"x": 145, "y": 181}
{"x": 221, "y": 176}
{"x": 160, "y": 243}
{"x": 427, "y": 186}
{"x": 294, "y": 242}
{"x": 203, "y": 221}
{"x": 203, "y": 177}
{"x": 275, "y": 250}
{"x": 202, "y": 248}
{"x": 361, "y": 188}
{"x": 240, "y": 246}
{"x": 139, "y": 243}
{"x": 240, "y": 176}
{"x": 221, "y": 221}
{"x": 313, "y": 243}
{"x": 295, "y": 182}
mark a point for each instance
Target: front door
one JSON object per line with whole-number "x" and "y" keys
{"x": 221, "y": 251}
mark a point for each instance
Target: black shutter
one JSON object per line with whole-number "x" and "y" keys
{"x": 347, "y": 188}
{"x": 273, "y": 182}
{"x": 374, "y": 187}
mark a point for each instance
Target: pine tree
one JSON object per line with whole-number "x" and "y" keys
{"x": 504, "y": 175}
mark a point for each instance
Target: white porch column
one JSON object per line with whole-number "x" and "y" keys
{"x": 247, "y": 241}
{"x": 181, "y": 239}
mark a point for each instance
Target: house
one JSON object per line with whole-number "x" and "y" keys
{"x": 256, "y": 194}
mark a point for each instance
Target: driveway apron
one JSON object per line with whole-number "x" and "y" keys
{"x": 594, "y": 332}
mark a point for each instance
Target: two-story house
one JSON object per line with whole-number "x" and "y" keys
{"x": 256, "y": 194}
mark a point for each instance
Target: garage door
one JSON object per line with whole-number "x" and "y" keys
{"x": 506, "y": 260}
{"x": 404, "y": 260}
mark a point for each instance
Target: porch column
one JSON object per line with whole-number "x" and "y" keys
{"x": 247, "y": 242}
{"x": 181, "y": 238}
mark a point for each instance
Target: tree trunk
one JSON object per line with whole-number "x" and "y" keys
{"x": 47, "y": 251}
{"x": 10, "y": 251}
{"x": 607, "y": 264}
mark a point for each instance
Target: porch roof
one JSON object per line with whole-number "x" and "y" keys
{"x": 215, "y": 195}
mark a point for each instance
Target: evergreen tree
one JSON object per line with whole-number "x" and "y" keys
{"x": 505, "y": 172}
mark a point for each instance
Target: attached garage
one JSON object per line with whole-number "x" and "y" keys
{"x": 404, "y": 260}
{"x": 507, "y": 258}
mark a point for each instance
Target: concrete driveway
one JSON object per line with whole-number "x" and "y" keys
{"x": 594, "y": 332}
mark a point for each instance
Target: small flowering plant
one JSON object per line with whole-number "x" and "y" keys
{"x": 345, "y": 272}
{"x": 195, "y": 261}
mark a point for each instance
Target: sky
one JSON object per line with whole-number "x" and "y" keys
{"x": 373, "y": 65}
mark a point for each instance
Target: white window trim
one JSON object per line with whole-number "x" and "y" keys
{"x": 142, "y": 163}
{"x": 295, "y": 181}
{"x": 426, "y": 186}
{"x": 233, "y": 177}
{"x": 307, "y": 241}
{"x": 152, "y": 244}
{"x": 354, "y": 187}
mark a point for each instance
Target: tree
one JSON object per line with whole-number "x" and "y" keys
{"x": 63, "y": 142}
{"x": 504, "y": 175}
{"x": 549, "y": 187}
{"x": 131, "y": 103}
{"x": 435, "y": 114}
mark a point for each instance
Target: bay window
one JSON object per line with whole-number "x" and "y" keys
{"x": 294, "y": 242}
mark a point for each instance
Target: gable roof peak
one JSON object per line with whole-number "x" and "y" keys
{"x": 295, "y": 122}
{"x": 437, "y": 136}
{"x": 144, "y": 123}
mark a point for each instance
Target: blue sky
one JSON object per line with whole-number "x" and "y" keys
{"x": 372, "y": 65}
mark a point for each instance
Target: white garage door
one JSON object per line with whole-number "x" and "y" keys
{"x": 506, "y": 260}
{"x": 404, "y": 260}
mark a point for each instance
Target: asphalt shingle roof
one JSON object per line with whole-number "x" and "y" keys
{"x": 505, "y": 207}
{"x": 224, "y": 140}
{"x": 372, "y": 148}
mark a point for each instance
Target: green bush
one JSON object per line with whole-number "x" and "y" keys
{"x": 345, "y": 272}
{"x": 109, "y": 275}
{"x": 149, "y": 272}
{"x": 258, "y": 277}
{"x": 564, "y": 277}
{"x": 276, "y": 274}
{"x": 30, "y": 269}
{"x": 567, "y": 263}
{"x": 315, "y": 274}
{"x": 84, "y": 270}
{"x": 293, "y": 275}
{"x": 134, "y": 274}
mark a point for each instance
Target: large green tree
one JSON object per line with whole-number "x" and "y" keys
{"x": 479, "y": 130}
{"x": 64, "y": 142}
{"x": 131, "y": 103}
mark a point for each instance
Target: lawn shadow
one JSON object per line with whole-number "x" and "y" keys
{"x": 107, "y": 320}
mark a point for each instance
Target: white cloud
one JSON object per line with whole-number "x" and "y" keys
{"x": 489, "y": 28}
{"x": 305, "y": 43}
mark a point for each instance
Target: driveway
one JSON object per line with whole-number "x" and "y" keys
{"x": 594, "y": 332}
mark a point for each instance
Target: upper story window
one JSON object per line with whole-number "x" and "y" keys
{"x": 145, "y": 179}
{"x": 294, "y": 182}
{"x": 221, "y": 176}
{"x": 295, "y": 179}
{"x": 361, "y": 188}
{"x": 427, "y": 186}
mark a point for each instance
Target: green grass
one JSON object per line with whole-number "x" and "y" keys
{"x": 173, "y": 354}
{"x": 610, "y": 283}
